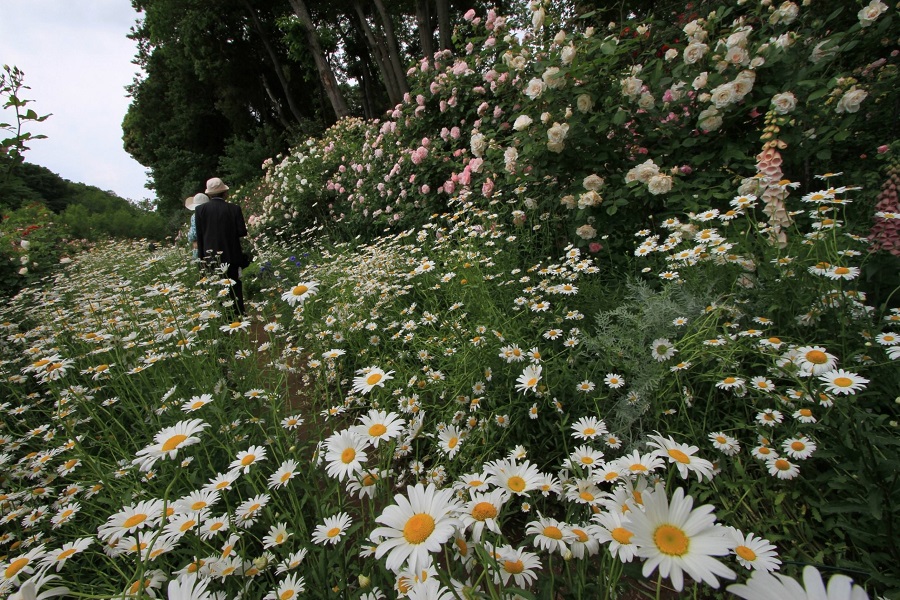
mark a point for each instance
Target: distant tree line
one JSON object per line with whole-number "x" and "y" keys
{"x": 227, "y": 84}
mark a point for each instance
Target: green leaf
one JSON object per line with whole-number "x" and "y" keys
{"x": 817, "y": 94}
{"x": 612, "y": 209}
{"x": 619, "y": 117}
{"x": 608, "y": 48}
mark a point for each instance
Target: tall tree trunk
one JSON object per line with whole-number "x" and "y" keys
{"x": 379, "y": 53}
{"x": 279, "y": 110}
{"x": 426, "y": 38}
{"x": 276, "y": 64}
{"x": 393, "y": 50}
{"x": 329, "y": 82}
{"x": 445, "y": 33}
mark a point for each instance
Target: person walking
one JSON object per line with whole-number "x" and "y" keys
{"x": 220, "y": 227}
{"x": 191, "y": 203}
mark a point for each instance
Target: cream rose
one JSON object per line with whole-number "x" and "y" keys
{"x": 784, "y": 103}
{"x": 593, "y": 182}
{"x": 694, "y": 52}
{"x": 631, "y": 86}
{"x": 584, "y": 103}
{"x": 588, "y": 199}
{"x": 522, "y": 123}
{"x": 534, "y": 88}
{"x": 659, "y": 184}
{"x": 556, "y": 137}
{"x": 586, "y": 232}
{"x": 851, "y": 100}
{"x": 871, "y": 12}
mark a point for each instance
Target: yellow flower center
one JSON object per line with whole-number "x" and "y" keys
{"x": 841, "y": 271}
{"x": 843, "y": 382}
{"x": 484, "y": 511}
{"x": 782, "y": 465}
{"x": 135, "y": 520}
{"x": 587, "y": 460}
{"x": 235, "y": 325}
{"x": 589, "y": 431}
{"x": 65, "y": 554}
{"x": 452, "y": 442}
{"x": 797, "y": 446}
{"x": 553, "y": 532}
{"x": 299, "y": 290}
{"x": 586, "y": 496}
{"x": 172, "y": 442}
{"x": 637, "y": 467}
{"x": 581, "y": 535}
{"x": 377, "y": 430}
{"x": 348, "y": 455}
{"x": 679, "y": 456}
{"x": 248, "y": 460}
{"x": 817, "y": 357}
{"x": 168, "y": 330}
{"x": 745, "y": 553}
{"x": 286, "y": 595}
{"x": 187, "y": 525}
{"x": 198, "y": 505}
{"x": 373, "y": 378}
{"x": 805, "y": 412}
{"x": 476, "y": 483}
{"x": 671, "y": 540}
{"x": 516, "y": 483}
{"x": 515, "y": 567}
{"x": 418, "y": 528}
{"x": 334, "y": 531}
{"x": 621, "y": 535}
{"x": 15, "y": 566}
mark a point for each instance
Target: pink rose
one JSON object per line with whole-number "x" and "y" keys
{"x": 595, "y": 247}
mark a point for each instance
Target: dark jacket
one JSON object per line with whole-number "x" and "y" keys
{"x": 220, "y": 227}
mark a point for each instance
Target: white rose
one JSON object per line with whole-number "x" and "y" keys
{"x": 820, "y": 52}
{"x": 23, "y": 271}
{"x": 851, "y": 100}
{"x": 567, "y": 55}
{"x": 694, "y": 52}
{"x": 584, "y": 103}
{"x": 700, "y": 80}
{"x": 590, "y": 198}
{"x": 739, "y": 37}
{"x": 556, "y": 137}
{"x": 870, "y": 12}
{"x": 545, "y": 117}
{"x": 478, "y": 143}
{"x": 560, "y": 37}
{"x": 631, "y": 86}
{"x": 659, "y": 184}
{"x": 723, "y": 95}
{"x": 646, "y": 101}
{"x": 25, "y": 244}
{"x": 593, "y": 182}
{"x": 737, "y": 56}
{"x": 586, "y": 232}
{"x": 568, "y": 202}
{"x": 537, "y": 18}
{"x": 522, "y": 123}
{"x": 784, "y": 103}
{"x": 553, "y": 79}
{"x": 643, "y": 172}
{"x": 510, "y": 156}
{"x": 785, "y": 14}
{"x": 518, "y": 63}
{"x": 671, "y": 53}
{"x": 534, "y": 88}
{"x": 709, "y": 119}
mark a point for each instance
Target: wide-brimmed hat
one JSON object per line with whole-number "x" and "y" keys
{"x": 215, "y": 186}
{"x": 194, "y": 201}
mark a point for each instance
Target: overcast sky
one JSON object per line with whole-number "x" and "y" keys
{"x": 77, "y": 61}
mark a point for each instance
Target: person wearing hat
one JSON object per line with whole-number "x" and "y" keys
{"x": 191, "y": 203}
{"x": 220, "y": 227}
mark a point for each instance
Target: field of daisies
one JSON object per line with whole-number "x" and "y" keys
{"x": 591, "y": 315}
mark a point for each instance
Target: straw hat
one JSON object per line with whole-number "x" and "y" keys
{"x": 193, "y": 202}
{"x": 215, "y": 186}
